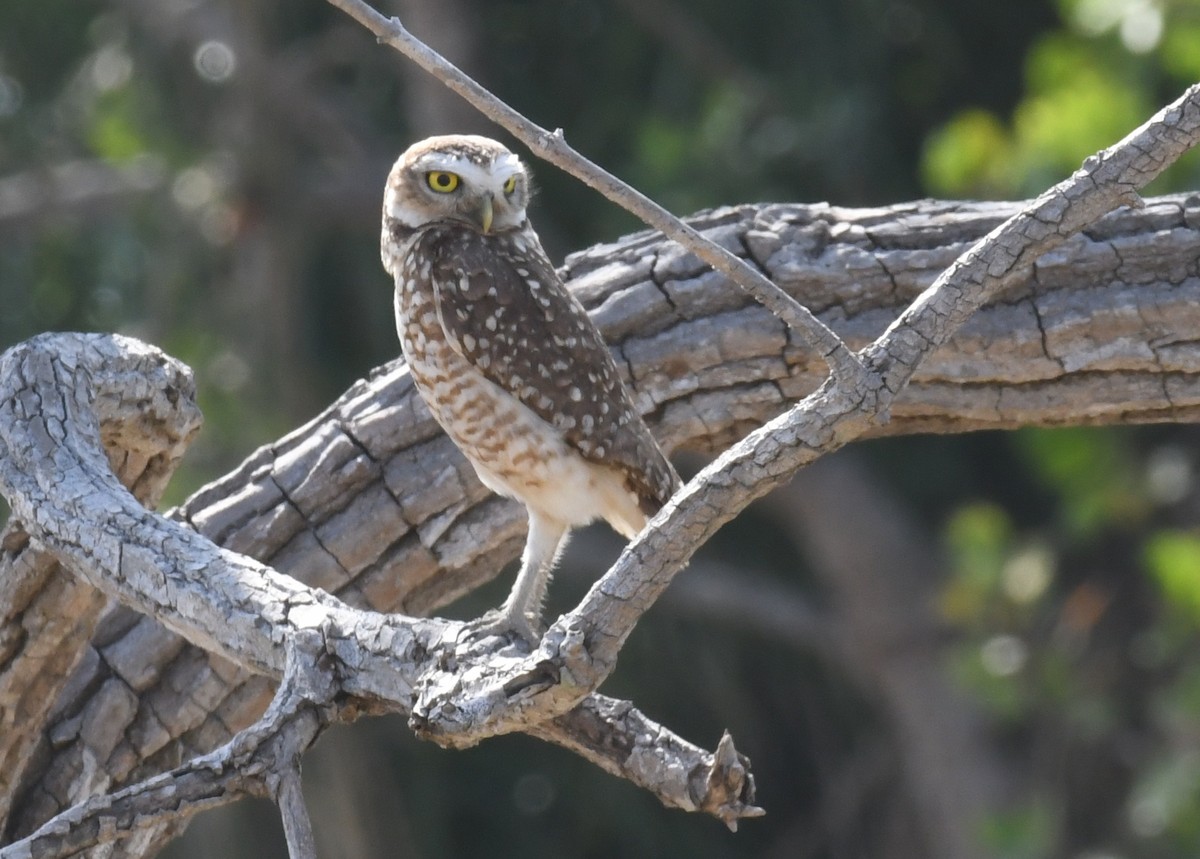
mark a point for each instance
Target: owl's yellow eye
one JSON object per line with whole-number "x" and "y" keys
{"x": 510, "y": 185}
{"x": 441, "y": 181}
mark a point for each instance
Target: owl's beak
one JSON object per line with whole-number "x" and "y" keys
{"x": 485, "y": 213}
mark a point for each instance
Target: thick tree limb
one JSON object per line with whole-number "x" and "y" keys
{"x": 1163, "y": 360}
{"x": 47, "y": 615}
{"x": 248, "y": 612}
{"x": 262, "y": 760}
{"x": 52, "y": 469}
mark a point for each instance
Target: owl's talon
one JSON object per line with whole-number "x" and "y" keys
{"x": 499, "y": 623}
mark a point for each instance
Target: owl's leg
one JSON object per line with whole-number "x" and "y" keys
{"x": 545, "y": 540}
{"x": 522, "y": 611}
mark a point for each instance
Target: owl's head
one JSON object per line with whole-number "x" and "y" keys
{"x": 459, "y": 177}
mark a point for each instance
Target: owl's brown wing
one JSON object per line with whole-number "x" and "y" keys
{"x": 504, "y": 309}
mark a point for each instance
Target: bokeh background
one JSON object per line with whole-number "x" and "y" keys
{"x": 206, "y": 175}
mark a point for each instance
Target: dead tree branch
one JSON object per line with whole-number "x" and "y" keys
{"x": 580, "y": 650}
{"x": 47, "y": 614}
{"x": 262, "y": 760}
{"x": 52, "y": 469}
{"x": 60, "y": 485}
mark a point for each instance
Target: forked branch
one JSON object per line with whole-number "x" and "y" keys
{"x": 263, "y": 760}
{"x": 584, "y": 644}
{"x": 55, "y": 474}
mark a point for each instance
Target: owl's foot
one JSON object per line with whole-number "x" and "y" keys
{"x": 500, "y": 623}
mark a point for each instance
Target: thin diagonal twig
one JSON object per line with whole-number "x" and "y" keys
{"x": 553, "y": 147}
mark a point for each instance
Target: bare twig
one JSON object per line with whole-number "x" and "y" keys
{"x": 553, "y": 147}
{"x": 297, "y": 826}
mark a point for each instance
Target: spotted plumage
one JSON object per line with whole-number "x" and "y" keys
{"x": 507, "y": 358}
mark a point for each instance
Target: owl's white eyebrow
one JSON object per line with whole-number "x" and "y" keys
{"x": 509, "y": 163}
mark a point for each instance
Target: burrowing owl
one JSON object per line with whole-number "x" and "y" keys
{"x": 507, "y": 359}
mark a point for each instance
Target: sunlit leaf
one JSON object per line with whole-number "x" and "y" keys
{"x": 977, "y": 538}
{"x": 966, "y": 157}
{"x": 1173, "y": 558}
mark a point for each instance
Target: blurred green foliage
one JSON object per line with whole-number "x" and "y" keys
{"x": 1173, "y": 558}
{"x": 1086, "y": 85}
{"x": 1080, "y": 634}
{"x": 206, "y": 174}
{"x": 1123, "y": 501}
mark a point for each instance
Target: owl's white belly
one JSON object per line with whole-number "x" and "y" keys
{"x": 514, "y": 452}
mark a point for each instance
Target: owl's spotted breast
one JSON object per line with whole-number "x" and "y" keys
{"x": 515, "y": 451}
{"x": 501, "y": 307}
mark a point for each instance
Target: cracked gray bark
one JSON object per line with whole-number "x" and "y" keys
{"x": 263, "y": 760}
{"x": 47, "y": 614}
{"x": 370, "y": 501}
{"x": 54, "y": 471}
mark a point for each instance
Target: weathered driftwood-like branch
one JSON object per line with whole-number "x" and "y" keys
{"x": 368, "y": 500}
{"x": 52, "y": 469}
{"x": 814, "y": 242}
{"x": 47, "y": 615}
{"x": 249, "y": 613}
